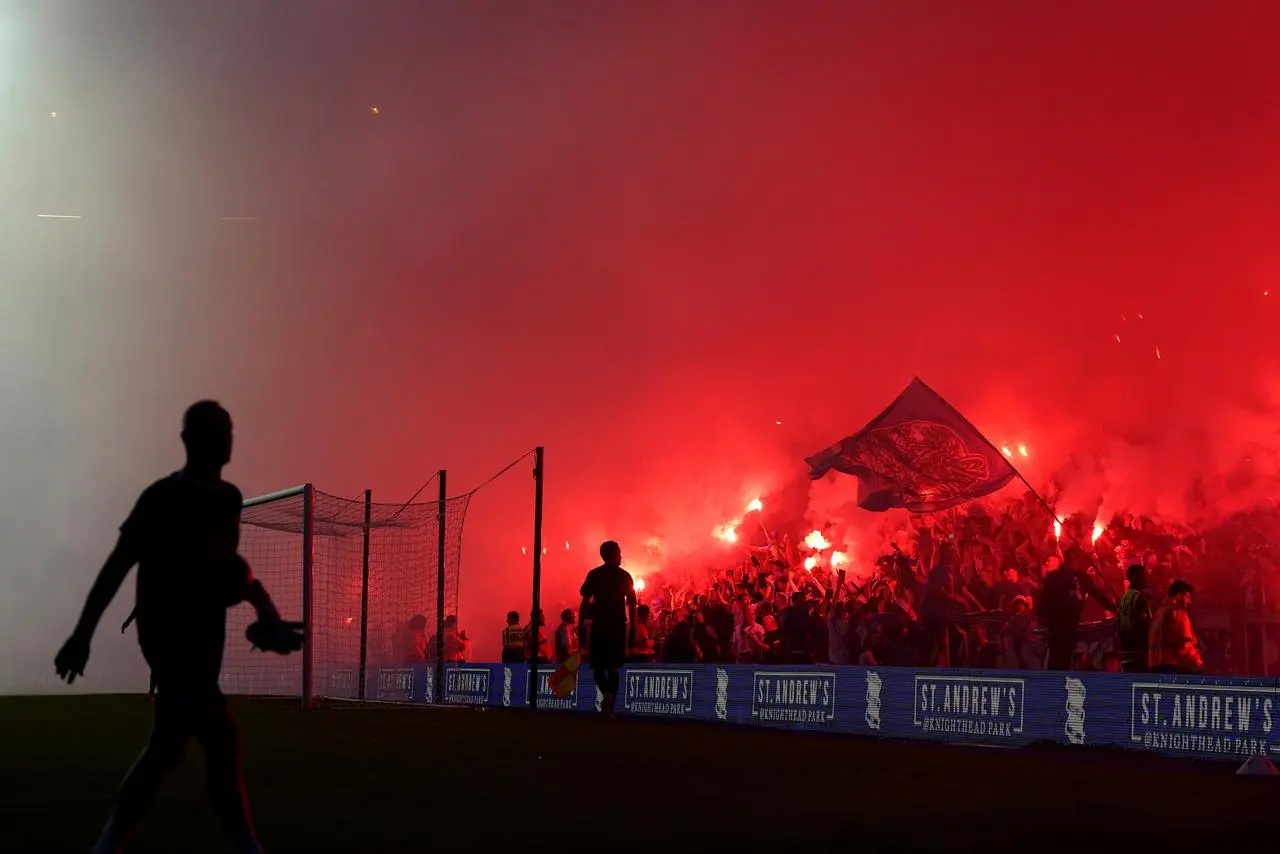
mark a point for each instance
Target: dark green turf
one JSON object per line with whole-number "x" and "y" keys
{"x": 417, "y": 780}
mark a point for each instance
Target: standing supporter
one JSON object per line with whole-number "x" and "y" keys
{"x": 1012, "y": 586}
{"x": 536, "y": 642}
{"x": 642, "y": 647}
{"x": 566, "y": 636}
{"x": 939, "y": 601}
{"x": 412, "y": 642}
{"x": 1173, "y": 645}
{"x": 793, "y": 630}
{"x": 749, "y": 643}
{"x": 455, "y": 642}
{"x": 681, "y": 646}
{"x": 609, "y": 594}
{"x": 1062, "y": 601}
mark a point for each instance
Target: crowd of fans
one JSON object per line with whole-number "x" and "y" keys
{"x": 993, "y": 584}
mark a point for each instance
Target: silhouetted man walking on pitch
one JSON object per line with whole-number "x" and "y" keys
{"x": 184, "y": 533}
{"x": 609, "y": 599}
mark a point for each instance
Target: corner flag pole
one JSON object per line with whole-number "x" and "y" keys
{"x": 534, "y": 628}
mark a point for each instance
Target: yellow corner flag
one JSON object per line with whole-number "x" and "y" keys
{"x": 565, "y": 679}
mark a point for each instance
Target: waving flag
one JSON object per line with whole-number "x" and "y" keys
{"x": 920, "y": 454}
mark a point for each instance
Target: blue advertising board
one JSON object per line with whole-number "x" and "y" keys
{"x": 1191, "y": 716}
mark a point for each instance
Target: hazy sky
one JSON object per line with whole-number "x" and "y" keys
{"x": 640, "y": 234}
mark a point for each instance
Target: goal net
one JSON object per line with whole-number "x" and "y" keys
{"x": 300, "y": 535}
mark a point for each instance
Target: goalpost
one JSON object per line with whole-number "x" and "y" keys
{"x": 355, "y": 572}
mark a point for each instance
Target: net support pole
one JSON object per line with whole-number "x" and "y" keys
{"x": 308, "y": 566}
{"x": 440, "y": 579}
{"x": 534, "y": 628}
{"x": 364, "y": 595}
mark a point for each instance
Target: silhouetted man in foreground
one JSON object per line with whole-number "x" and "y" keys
{"x": 609, "y": 597}
{"x": 184, "y": 533}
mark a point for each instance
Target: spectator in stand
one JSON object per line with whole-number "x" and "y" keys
{"x": 1173, "y": 645}
{"x": 412, "y": 642}
{"x": 793, "y": 630}
{"x": 839, "y": 624}
{"x": 566, "y": 636}
{"x": 984, "y": 653}
{"x": 682, "y": 645}
{"x": 1012, "y": 586}
{"x": 513, "y": 636}
{"x": 749, "y": 643}
{"x": 536, "y": 642}
{"x": 1020, "y": 650}
{"x": 455, "y": 642}
{"x": 1062, "y": 599}
{"x": 642, "y": 649}
{"x": 876, "y": 651}
{"x": 938, "y": 604}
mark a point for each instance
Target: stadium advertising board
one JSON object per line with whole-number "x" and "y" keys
{"x": 468, "y": 685}
{"x": 793, "y": 696}
{"x": 986, "y": 707}
{"x": 664, "y": 692}
{"x": 1204, "y": 719}
{"x": 1178, "y": 715}
{"x": 396, "y": 685}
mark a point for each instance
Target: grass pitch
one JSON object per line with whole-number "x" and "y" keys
{"x": 404, "y": 779}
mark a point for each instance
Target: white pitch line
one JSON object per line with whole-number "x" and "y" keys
{"x": 57, "y": 216}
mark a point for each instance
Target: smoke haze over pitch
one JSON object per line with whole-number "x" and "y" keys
{"x": 682, "y": 247}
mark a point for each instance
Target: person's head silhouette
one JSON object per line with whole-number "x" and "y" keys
{"x": 611, "y": 553}
{"x": 206, "y": 433}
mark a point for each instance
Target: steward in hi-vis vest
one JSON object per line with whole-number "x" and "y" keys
{"x": 1134, "y": 621}
{"x": 513, "y": 639}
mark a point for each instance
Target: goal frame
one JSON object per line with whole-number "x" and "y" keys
{"x": 366, "y": 525}
{"x": 307, "y": 491}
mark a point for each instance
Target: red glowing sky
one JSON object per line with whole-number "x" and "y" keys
{"x": 639, "y": 234}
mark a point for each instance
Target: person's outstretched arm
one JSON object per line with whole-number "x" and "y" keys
{"x": 105, "y": 587}
{"x": 71, "y": 660}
